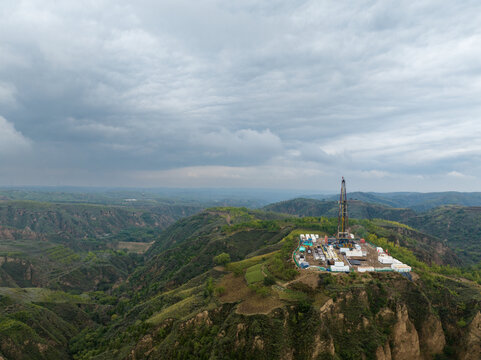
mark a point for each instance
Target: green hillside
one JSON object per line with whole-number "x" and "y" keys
{"x": 459, "y": 226}
{"x": 72, "y": 297}
{"x": 261, "y": 307}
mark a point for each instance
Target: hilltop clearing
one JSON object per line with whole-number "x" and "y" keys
{"x": 455, "y": 226}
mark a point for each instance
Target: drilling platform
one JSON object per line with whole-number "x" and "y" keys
{"x": 343, "y": 252}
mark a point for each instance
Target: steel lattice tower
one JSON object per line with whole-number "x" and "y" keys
{"x": 343, "y": 221}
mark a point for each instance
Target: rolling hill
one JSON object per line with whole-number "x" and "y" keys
{"x": 77, "y": 296}
{"x": 460, "y": 226}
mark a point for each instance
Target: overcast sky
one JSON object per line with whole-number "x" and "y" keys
{"x": 281, "y": 94}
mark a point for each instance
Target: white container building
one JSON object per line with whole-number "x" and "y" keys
{"x": 401, "y": 267}
{"x": 365, "y": 268}
{"x": 355, "y": 253}
{"x": 339, "y": 268}
{"x": 385, "y": 259}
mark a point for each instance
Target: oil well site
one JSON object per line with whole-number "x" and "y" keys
{"x": 344, "y": 252}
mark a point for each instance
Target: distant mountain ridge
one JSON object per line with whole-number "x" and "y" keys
{"x": 417, "y": 201}
{"x": 357, "y": 209}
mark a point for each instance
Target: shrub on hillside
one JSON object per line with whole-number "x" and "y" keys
{"x": 222, "y": 259}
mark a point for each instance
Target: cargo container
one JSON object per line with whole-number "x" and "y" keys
{"x": 355, "y": 253}
{"x": 340, "y": 268}
{"x": 385, "y": 259}
{"x": 401, "y": 267}
{"x": 365, "y": 268}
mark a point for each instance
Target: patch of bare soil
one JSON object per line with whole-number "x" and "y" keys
{"x": 135, "y": 247}
{"x": 310, "y": 278}
{"x": 256, "y": 304}
{"x": 235, "y": 288}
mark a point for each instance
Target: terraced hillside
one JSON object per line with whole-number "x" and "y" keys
{"x": 81, "y": 220}
{"x": 73, "y": 246}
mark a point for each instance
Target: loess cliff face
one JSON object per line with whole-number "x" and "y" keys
{"x": 391, "y": 321}
{"x": 472, "y": 346}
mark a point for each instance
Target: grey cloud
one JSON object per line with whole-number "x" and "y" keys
{"x": 311, "y": 87}
{"x": 11, "y": 140}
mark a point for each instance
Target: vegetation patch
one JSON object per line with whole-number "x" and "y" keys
{"x": 239, "y": 266}
{"x": 28, "y": 295}
{"x": 254, "y": 274}
{"x": 177, "y": 311}
{"x": 135, "y": 247}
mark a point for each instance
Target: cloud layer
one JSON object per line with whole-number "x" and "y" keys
{"x": 255, "y": 94}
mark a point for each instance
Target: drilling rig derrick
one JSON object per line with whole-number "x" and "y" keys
{"x": 343, "y": 220}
